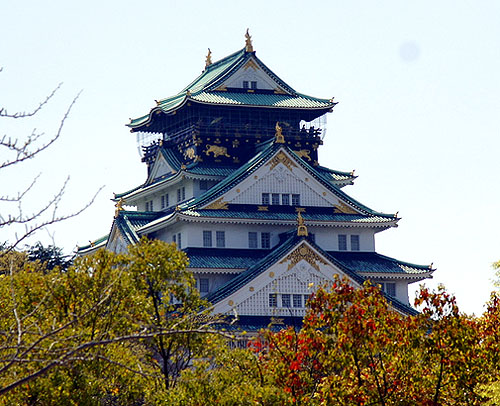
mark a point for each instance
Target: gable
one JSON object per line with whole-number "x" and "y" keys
{"x": 251, "y": 72}
{"x": 282, "y": 174}
{"x": 116, "y": 242}
{"x": 160, "y": 168}
{"x": 299, "y": 272}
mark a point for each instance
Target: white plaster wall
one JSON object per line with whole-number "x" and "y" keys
{"x": 327, "y": 238}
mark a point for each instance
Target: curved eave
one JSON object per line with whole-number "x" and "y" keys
{"x": 414, "y": 277}
{"x": 146, "y": 120}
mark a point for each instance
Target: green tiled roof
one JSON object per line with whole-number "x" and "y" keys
{"x": 247, "y": 213}
{"x": 204, "y": 90}
{"x": 371, "y": 262}
{"x": 223, "y": 258}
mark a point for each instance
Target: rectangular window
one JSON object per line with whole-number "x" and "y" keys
{"x": 183, "y": 193}
{"x": 297, "y": 300}
{"x": 203, "y": 185}
{"x": 174, "y": 238}
{"x": 285, "y": 199}
{"x": 342, "y": 242}
{"x": 220, "y": 239}
{"x": 275, "y": 199}
{"x": 354, "y": 242}
{"x": 265, "y": 240}
{"x": 207, "y": 238}
{"x": 178, "y": 195}
{"x": 164, "y": 201}
{"x": 265, "y": 199}
{"x": 306, "y": 298}
{"x": 286, "y": 300}
{"x": 391, "y": 289}
{"x": 149, "y": 206}
{"x": 179, "y": 241}
{"x": 312, "y": 236}
{"x": 252, "y": 239}
{"x": 295, "y": 200}
{"x": 245, "y": 84}
{"x": 253, "y": 84}
{"x": 273, "y": 300}
{"x": 203, "y": 285}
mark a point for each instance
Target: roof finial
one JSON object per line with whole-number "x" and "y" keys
{"x": 119, "y": 207}
{"x": 280, "y": 139}
{"x": 208, "y": 60}
{"x": 248, "y": 42}
{"x": 301, "y": 227}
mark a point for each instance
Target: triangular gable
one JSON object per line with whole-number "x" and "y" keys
{"x": 283, "y": 173}
{"x": 296, "y": 268}
{"x": 160, "y": 168}
{"x": 252, "y": 72}
{"x": 117, "y": 241}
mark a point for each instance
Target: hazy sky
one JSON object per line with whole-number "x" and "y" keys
{"x": 418, "y": 115}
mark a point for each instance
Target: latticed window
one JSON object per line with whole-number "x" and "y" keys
{"x": 245, "y": 84}
{"x": 265, "y": 240}
{"x": 354, "y": 242}
{"x": 273, "y": 300}
{"x": 297, "y": 300}
{"x": 286, "y": 300}
{"x": 203, "y": 285}
{"x": 183, "y": 192}
{"x": 207, "y": 238}
{"x": 275, "y": 199}
{"x": 220, "y": 239}
{"x": 164, "y": 201}
{"x": 295, "y": 200}
{"x": 342, "y": 242}
{"x": 253, "y": 84}
{"x": 285, "y": 199}
{"x": 252, "y": 239}
{"x": 179, "y": 195}
{"x": 391, "y": 289}
{"x": 179, "y": 240}
{"x": 149, "y": 205}
{"x": 265, "y": 198}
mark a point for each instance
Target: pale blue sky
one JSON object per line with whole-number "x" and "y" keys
{"x": 418, "y": 115}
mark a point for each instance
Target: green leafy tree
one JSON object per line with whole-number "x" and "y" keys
{"x": 97, "y": 331}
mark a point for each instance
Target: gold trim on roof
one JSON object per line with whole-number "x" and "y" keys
{"x": 280, "y": 139}
{"x": 119, "y": 206}
{"x": 219, "y": 204}
{"x": 341, "y": 207}
{"x": 248, "y": 42}
{"x": 251, "y": 64}
{"x": 281, "y": 158}
{"x": 208, "y": 59}
{"x": 303, "y": 252}
{"x": 301, "y": 226}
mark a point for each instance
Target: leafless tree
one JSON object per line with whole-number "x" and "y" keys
{"x": 14, "y": 151}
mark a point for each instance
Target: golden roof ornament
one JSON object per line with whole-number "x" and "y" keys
{"x": 280, "y": 139}
{"x": 301, "y": 226}
{"x": 248, "y": 42}
{"x": 119, "y": 207}
{"x": 208, "y": 60}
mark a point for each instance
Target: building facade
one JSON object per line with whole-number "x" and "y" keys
{"x": 234, "y": 180}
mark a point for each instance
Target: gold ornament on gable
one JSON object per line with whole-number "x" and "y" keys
{"x": 303, "y": 252}
{"x": 219, "y": 204}
{"x": 341, "y": 207}
{"x": 281, "y": 158}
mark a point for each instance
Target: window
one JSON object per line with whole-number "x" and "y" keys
{"x": 342, "y": 242}
{"x": 178, "y": 195}
{"x": 295, "y": 200}
{"x": 207, "y": 238}
{"x": 285, "y": 200}
{"x": 253, "y": 84}
{"x": 149, "y": 205}
{"x": 183, "y": 191}
{"x": 220, "y": 239}
{"x": 306, "y": 298}
{"x": 245, "y": 84}
{"x": 273, "y": 300}
{"x": 164, "y": 201}
{"x": 203, "y": 283}
{"x": 174, "y": 238}
{"x": 285, "y": 300}
{"x": 265, "y": 198}
{"x": 354, "y": 242}
{"x": 312, "y": 237}
{"x": 390, "y": 288}
{"x": 275, "y": 199}
{"x": 265, "y": 240}
{"x": 179, "y": 241}
{"x": 297, "y": 300}
{"x": 252, "y": 239}
{"x": 203, "y": 185}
